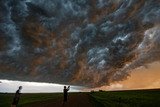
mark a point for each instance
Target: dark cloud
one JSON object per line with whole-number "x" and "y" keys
{"x": 84, "y": 42}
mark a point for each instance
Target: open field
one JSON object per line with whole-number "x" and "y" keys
{"x": 134, "y": 98}
{"x": 26, "y": 99}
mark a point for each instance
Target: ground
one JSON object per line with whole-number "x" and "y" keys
{"x": 133, "y": 98}
{"x": 75, "y": 100}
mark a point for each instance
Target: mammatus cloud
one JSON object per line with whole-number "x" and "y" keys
{"x": 84, "y": 42}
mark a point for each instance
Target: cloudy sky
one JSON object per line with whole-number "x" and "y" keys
{"x": 90, "y": 43}
{"x": 11, "y": 86}
{"x": 140, "y": 78}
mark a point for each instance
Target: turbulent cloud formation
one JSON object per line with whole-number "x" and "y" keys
{"x": 84, "y": 42}
{"x": 141, "y": 78}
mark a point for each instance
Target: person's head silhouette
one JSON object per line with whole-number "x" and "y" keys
{"x": 64, "y": 87}
{"x": 20, "y": 87}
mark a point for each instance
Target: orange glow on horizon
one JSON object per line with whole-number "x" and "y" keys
{"x": 145, "y": 78}
{"x": 141, "y": 78}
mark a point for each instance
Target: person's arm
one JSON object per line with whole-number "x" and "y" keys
{"x": 68, "y": 88}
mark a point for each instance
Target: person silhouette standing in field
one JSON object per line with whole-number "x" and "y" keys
{"x": 16, "y": 97}
{"x": 65, "y": 93}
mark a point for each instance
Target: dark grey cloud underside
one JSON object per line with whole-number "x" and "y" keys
{"x": 82, "y": 42}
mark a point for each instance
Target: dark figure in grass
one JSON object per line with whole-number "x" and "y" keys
{"x": 65, "y": 93}
{"x": 16, "y": 97}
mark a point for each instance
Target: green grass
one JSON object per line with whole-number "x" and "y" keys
{"x": 26, "y": 99}
{"x": 5, "y": 100}
{"x": 136, "y": 98}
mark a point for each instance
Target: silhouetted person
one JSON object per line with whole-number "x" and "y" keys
{"x": 16, "y": 97}
{"x": 65, "y": 93}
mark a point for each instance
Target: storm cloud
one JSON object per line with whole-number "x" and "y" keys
{"x": 83, "y": 42}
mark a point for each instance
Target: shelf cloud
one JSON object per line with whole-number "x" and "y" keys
{"x": 80, "y": 42}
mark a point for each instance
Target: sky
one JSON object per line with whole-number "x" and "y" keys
{"x": 11, "y": 86}
{"x": 140, "y": 78}
{"x": 89, "y": 43}
{"x": 145, "y": 78}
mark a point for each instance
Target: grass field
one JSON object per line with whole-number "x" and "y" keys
{"x": 134, "y": 98}
{"x": 26, "y": 99}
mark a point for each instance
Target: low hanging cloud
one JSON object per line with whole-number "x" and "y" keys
{"x": 150, "y": 78}
{"x": 86, "y": 42}
{"x": 140, "y": 78}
